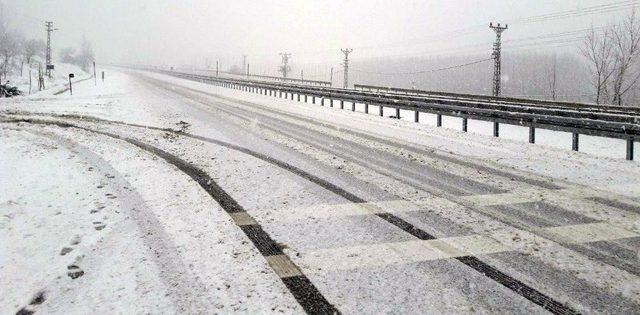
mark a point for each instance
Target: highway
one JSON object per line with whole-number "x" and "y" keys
{"x": 353, "y": 221}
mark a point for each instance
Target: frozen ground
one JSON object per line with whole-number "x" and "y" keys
{"x": 252, "y": 203}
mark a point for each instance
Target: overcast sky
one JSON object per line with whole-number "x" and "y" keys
{"x": 165, "y": 32}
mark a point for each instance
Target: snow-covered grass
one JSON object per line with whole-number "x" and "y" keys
{"x": 59, "y": 79}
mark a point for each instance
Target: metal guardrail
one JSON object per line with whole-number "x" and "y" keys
{"x": 589, "y": 120}
{"x": 266, "y": 77}
{"x": 498, "y": 99}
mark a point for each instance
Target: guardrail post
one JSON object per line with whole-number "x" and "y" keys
{"x": 496, "y": 129}
{"x": 298, "y": 97}
{"x": 330, "y": 102}
{"x": 381, "y": 109}
{"x": 574, "y": 142}
{"x": 532, "y": 134}
{"x": 313, "y": 99}
{"x": 398, "y": 113}
{"x": 630, "y": 149}
{"x": 366, "y": 108}
{"x": 305, "y": 98}
{"x": 464, "y": 124}
{"x": 439, "y": 120}
{"x": 341, "y": 104}
{"x": 416, "y": 116}
{"x": 353, "y": 106}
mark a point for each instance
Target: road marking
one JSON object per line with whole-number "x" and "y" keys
{"x": 283, "y": 266}
{"x": 591, "y": 232}
{"x": 352, "y": 257}
{"x": 325, "y": 211}
{"x": 507, "y": 198}
{"x": 242, "y": 218}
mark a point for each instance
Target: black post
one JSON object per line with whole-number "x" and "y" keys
{"x": 353, "y": 106}
{"x": 464, "y": 124}
{"x": 574, "y": 143}
{"x": 381, "y": 108}
{"x": 532, "y": 134}
{"x": 630, "y": 149}
{"x": 341, "y": 104}
{"x": 496, "y": 129}
{"x": 416, "y": 116}
{"x": 439, "y": 120}
{"x": 366, "y": 108}
{"x": 398, "y": 113}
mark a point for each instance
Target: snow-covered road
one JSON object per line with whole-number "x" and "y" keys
{"x": 153, "y": 194}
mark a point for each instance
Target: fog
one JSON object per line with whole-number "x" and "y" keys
{"x": 147, "y": 31}
{"x": 197, "y": 33}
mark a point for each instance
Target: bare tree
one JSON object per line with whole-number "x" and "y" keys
{"x": 32, "y": 48}
{"x": 9, "y": 48}
{"x": 598, "y": 50}
{"x": 85, "y": 57}
{"x": 67, "y": 55}
{"x": 626, "y": 43}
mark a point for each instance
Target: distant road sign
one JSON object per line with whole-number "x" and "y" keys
{"x": 71, "y": 75}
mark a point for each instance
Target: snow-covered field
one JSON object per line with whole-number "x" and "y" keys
{"x": 90, "y": 221}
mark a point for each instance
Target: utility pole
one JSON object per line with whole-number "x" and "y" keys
{"x": 346, "y": 53}
{"x": 284, "y": 69}
{"x": 496, "y": 57}
{"x": 50, "y": 29}
{"x": 244, "y": 63}
{"x": 331, "y": 77}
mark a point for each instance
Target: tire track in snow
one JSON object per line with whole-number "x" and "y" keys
{"x": 307, "y": 295}
{"x": 268, "y": 248}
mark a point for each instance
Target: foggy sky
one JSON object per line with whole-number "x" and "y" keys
{"x": 165, "y": 32}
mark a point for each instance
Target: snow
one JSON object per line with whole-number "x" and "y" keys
{"x": 595, "y": 168}
{"x": 58, "y": 81}
{"x": 150, "y": 240}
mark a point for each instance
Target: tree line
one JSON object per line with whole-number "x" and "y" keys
{"x": 16, "y": 51}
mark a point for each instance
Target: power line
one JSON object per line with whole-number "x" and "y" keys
{"x": 426, "y": 71}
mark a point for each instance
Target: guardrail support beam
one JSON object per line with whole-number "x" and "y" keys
{"x": 313, "y": 99}
{"x": 630, "y": 149}
{"x": 574, "y": 141}
{"x": 341, "y": 104}
{"x": 439, "y": 120}
{"x": 353, "y": 106}
{"x": 330, "y": 102}
{"x": 496, "y": 129}
{"x": 398, "y": 113}
{"x": 381, "y": 109}
{"x": 464, "y": 124}
{"x": 532, "y": 134}
{"x": 366, "y": 108}
{"x": 298, "y": 97}
{"x": 416, "y": 116}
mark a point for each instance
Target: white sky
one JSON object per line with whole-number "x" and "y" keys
{"x": 166, "y": 32}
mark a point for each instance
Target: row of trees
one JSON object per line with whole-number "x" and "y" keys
{"x": 16, "y": 50}
{"x": 82, "y": 58}
{"x": 613, "y": 56}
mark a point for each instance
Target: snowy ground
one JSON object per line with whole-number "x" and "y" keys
{"x": 377, "y": 215}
